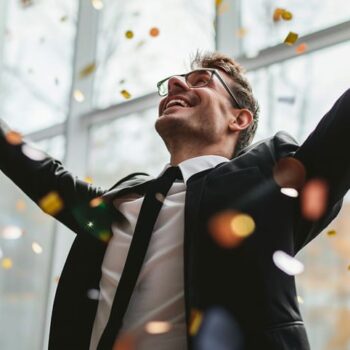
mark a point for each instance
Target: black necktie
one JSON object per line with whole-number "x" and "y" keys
{"x": 150, "y": 209}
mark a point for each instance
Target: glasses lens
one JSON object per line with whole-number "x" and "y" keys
{"x": 199, "y": 78}
{"x": 163, "y": 88}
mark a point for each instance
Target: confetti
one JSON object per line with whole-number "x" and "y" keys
{"x": 93, "y": 294}
{"x": 129, "y": 34}
{"x": 230, "y": 228}
{"x": 104, "y": 236}
{"x": 6, "y": 263}
{"x": 78, "y": 96}
{"x": 154, "y": 32}
{"x": 314, "y": 199}
{"x": 96, "y": 202}
{"x": 218, "y": 2}
{"x": 11, "y": 232}
{"x": 37, "y": 248}
{"x": 126, "y": 94}
{"x": 277, "y": 14}
{"x": 88, "y": 179}
{"x": 287, "y": 16}
{"x": 301, "y": 48}
{"x": 21, "y": 205}
{"x": 195, "y": 321}
{"x": 331, "y": 233}
{"x": 33, "y": 153}
{"x": 13, "y": 137}
{"x": 289, "y": 173}
{"x": 51, "y": 204}
{"x": 157, "y": 327}
{"x": 287, "y": 264}
{"x": 87, "y": 70}
{"x": 242, "y": 32}
{"x": 300, "y": 299}
{"x": 291, "y": 38}
{"x": 97, "y": 4}
{"x": 90, "y": 224}
{"x": 290, "y": 192}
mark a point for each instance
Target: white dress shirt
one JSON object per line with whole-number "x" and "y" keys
{"x": 159, "y": 290}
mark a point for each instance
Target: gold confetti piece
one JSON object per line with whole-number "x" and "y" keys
{"x": 78, "y": 96}
{"x": 289, "y": 173}
{"x": 290, "y": 192}
{"x": 291, "y": 38}
{"x": 195, "y": 321}
{"x": 287, "y": 16}
{"x": 277, "y": 14}
{"x": 242, "y": 32}
{"x": 33, "y": 153}
{"x": 126, "y": 94}
{"x": 97, "y": 4}
{"x": 218, "y": 2}
{"x": 158, "y": 327}
{"x": 21, "y": 205}
{"x": 129, "y": 34}
{"x": 13, "y": 137}
{"x": 63, "y": 18}
{"x": 96, "y": 202}
{"x": 87, "y": 70}
{"x": 11, "y": 232}
{"x": 6, "y": 263}
{"x": 37, "y": 248}
{"x": 331, "y": 233}
{"x": 287, "y": 263}
{"x": 242, "y": 225}
{"x": 93, "y": 294}
{"x": 300, "y": 49}
{"x": 88, "y": 179}
{"x": 154, "y": 32}
{"x": 104, "y": 236}
{"x": 314, "y": 199}
{"x": 51, "y": 204}
{"x": 300, "y": 300}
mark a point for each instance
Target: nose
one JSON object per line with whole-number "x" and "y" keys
{"x": 176, "y": 84}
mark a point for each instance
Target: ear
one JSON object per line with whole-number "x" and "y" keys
{"x": 240, "y": 120}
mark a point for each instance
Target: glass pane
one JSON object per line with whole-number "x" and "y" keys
{"x": 37, "y": 63}
{"x": 308, "y": 16}
{"x": 138, "y": 63}
{"x": 294, "y": 95}
{"x": 24, "y": 286}
{"x": 108, "y": 159}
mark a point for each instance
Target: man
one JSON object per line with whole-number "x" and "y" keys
{"x": 207, "y": 120}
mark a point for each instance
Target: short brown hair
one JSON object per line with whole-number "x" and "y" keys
{"x": 239, "y": 86}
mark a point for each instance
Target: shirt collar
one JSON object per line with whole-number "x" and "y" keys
{"x": 195, "y": 165}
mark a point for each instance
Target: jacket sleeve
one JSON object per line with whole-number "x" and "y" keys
{"x": 326, "y": 154}
{"x": 37, "y": 179}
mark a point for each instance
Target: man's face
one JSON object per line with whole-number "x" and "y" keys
{"x": 205, "y": 117}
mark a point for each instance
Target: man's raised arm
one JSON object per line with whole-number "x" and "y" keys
{"x": 326, "y": 155}
{"x": 45, "y": 181}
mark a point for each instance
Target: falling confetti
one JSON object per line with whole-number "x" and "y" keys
{"x": 301, "y": 48}
{"x": 314, "y": 199}
{"x": 78, "y": 96}
{"x": 96, "y": 202}
{"x": 195, "y": 321}
{"x": 97, "y": 4}
{"x": 93, "y": 294}
{"x": 287, "y": 264}
{"x": 289, "y": 173}
{"x": 104, "y": 236}
{"x": 277, "y": 14}
{"x": 126, "y": 94}
{"x": 13, "y": 137}
{"x": 6, "y": 263}
{"x": 154, "y": 32}
{"x": 230, "y": 228}
{"x": 291, "y": 38}
{"x": 37, "y": 248}
{"x": 242, "y": 32}
{"x": 129, "y": 34}
{"x": 218, "y": 2}
{"x": 87, "y": 70}
{"x": 33, "y": 153}
{"x": 290, "y": 192}
{"x": 331, "y": 233}
{"x": 158, "y": 327}
{"x": 51, "y": 204}
{"x": 11, "y": 232}
{"x": 88, "y": 179}
{"x": 286, "y": 15}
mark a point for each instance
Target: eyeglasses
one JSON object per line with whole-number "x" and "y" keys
{"x": 196, "y": 79}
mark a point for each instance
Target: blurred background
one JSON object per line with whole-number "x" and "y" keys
{"x": 78, "y": 78}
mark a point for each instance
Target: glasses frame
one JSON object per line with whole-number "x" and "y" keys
{"x": 213, "y": 72}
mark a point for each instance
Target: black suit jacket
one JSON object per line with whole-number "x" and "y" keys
{"x": 242, "y": 281}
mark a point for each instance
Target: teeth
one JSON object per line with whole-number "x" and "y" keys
{"x": 177, "y": 102}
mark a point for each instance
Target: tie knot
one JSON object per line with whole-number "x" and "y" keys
{"x": 173, "y": 173}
